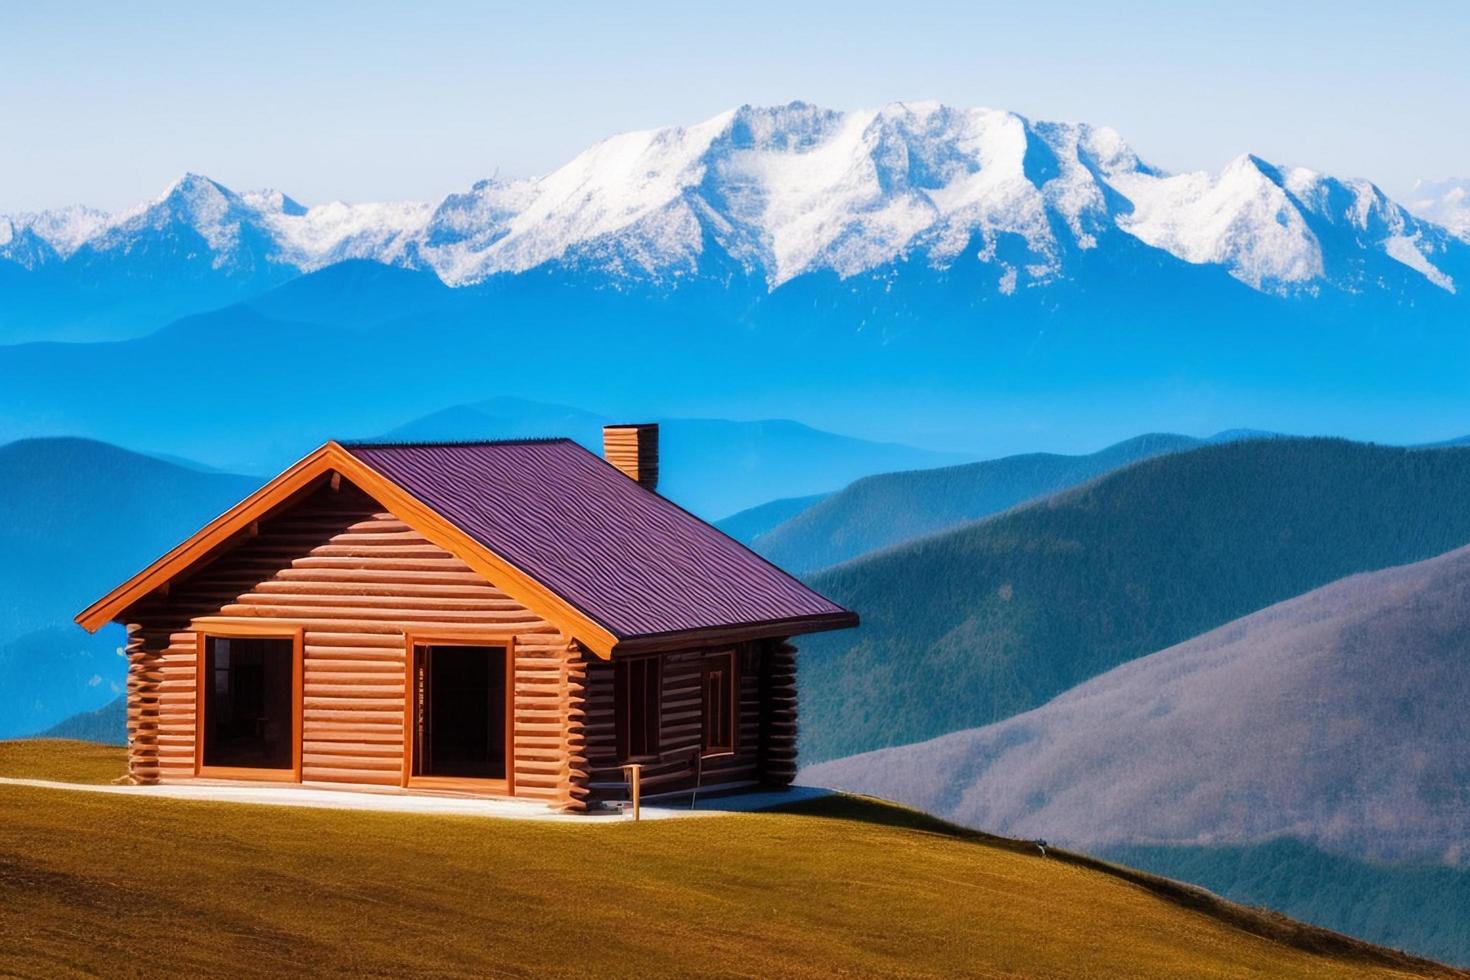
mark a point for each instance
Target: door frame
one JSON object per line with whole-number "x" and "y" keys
{"x": 243, "y": 631}
{"x": 465, "y": 784}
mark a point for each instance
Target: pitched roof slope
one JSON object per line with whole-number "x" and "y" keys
{"x": 625, "y": 556}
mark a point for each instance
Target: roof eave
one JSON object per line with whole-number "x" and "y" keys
{"x": 736, "y": 633}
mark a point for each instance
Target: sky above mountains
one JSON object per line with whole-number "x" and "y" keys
{"x": 382, "y": 102}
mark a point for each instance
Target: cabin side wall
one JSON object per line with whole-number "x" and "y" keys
{"x": 766, "y": 745}
{"x": 355, "y": 578}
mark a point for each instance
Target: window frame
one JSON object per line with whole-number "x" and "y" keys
{"x": 728, "y": 662}
{"x": 248, "y": 631}
{"x": 472, "y": 784}
{"x": 622, "y": 711}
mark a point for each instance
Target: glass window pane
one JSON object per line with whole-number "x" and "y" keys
{"x": 249, "y": 714}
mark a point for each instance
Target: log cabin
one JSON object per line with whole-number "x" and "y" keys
{"x": 515, "y": 618}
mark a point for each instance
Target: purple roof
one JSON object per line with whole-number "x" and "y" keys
{"x": 623, "y": 555}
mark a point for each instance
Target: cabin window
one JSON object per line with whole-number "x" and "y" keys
{"x": 461, "y": 711}
{"x": 637, "y": 685}
{"x": 249, "y": 716}
{"x": 721, "y": 704}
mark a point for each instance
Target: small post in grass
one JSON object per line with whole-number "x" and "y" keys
{"x": 634, "y": 773}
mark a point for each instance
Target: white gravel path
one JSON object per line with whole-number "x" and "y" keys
{"x": 391, "y": 802}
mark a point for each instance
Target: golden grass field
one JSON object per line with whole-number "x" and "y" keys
{"x": 99, "y": 884}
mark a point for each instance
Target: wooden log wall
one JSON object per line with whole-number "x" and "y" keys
{"x": 145, "y": 674}
{"x": 778, "y": 702}
{"x": 766, "y": 745}
{"x": 354, "y": 578}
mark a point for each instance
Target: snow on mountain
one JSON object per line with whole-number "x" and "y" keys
{"x": 310, "y": 238}
{"x": 790, "y": 190}
{"x": 1267, "y": 225}
{"x": 30, "y": 239}
{"x": 1445, "y": 202}
{"x": 1239, "y": 219}
{"x": 285, "y": 232}
{"x": 794, "y": 189}
{"x": 198, "y": 204}
{"x": 1358, "y": 212}
{"x": 67, "y": 228}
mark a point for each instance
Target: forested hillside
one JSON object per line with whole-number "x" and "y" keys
{"x": 883, "y": 510}
{"x": 980, "y": 623}
{"x": 108, "y": 725}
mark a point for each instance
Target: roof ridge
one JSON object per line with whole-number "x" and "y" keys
{"x": 434, "y": 443}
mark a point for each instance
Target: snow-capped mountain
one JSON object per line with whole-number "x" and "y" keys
{"x": 793, "y": 190}
{"x": 778, "y": 193}
{"x": 234, "y": 230}
{"x": 32, "y": 239}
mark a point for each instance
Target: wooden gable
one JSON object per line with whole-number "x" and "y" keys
{"x": 328, "y": 463}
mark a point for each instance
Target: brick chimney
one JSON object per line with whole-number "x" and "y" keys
{"x": 634, "y": 450}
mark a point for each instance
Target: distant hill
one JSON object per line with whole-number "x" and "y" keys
{"x": 88, "y": 514}
{"x": 752, "y": 522}
{"x": 1336, "y": 717}
{"x": 49, "y": 674}
{"x": 879, "y": 511}
{"x": 1419, "y": 908}
{"x": 974, "y": 625}
{"x": 108, "y": 725}
{"x": 1311, "y": 757}
{"x": 714, "y": 467}
{"x": 82, "y": 516}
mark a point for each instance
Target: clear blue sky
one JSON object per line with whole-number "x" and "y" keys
{"x": 105, "y": 103}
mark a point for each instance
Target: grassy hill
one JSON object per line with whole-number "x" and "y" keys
{"x": 837, "y": 886}
{"x": 1416, "y": 907}
{"x": 980, "y": 623}
{"x": 879, "y": 511}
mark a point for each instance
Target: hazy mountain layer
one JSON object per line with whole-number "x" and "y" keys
{"x": 714, "y": 467}
{"x": 751, "y": 523}
{"x": 879, "y": 511}
{"x": 82, "y": 517}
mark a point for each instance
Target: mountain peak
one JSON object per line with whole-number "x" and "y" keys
{"x": 191, "y": 186}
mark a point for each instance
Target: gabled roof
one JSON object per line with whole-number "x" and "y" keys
{"x": 556, "y": 527}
